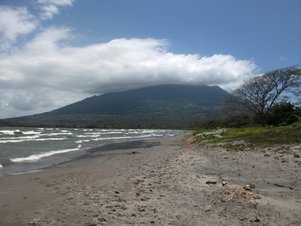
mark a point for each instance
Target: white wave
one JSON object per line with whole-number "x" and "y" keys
{"x": 31, "y": 132}
{"x": 126, "y": 137}
{"x": 83, "y": 136}
{"x": 55, "y": 134}
{"x": 18, "y": 139}
{"x": 114, "y": 132}
{"x": 21, "y": 138}
{"x": 81, "y": 141}
{"x": 36, "y": 157}
{"x": 24, "y": 140}
{"x": 93, "y": 133}
{"x": 14, "y": 132}
{"x": 9, "y": 132}
{"x": 45, "y": 139}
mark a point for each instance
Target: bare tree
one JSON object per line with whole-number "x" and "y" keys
{"x": 259, "y": 94}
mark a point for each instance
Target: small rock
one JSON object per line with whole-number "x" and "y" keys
{"x": 257, "y": 197}
{"x": 102, "y": 219}
{"x": 117, "y": 192}
{"x": 224, "y": 183}
{"x": 257, "y": 219}
{"x": 211, "y": 182}
{"x": 252, "y": 186}
{"x": 247, "y": 187}
{"x": 208, "y": 208}
{"x": 35, "y": 222}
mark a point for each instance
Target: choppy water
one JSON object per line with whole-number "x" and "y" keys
{"x": 29, "y": 149}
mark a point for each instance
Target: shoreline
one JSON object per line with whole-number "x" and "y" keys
{"x": 69, "y": 155}
{"x": 175, "y": 182}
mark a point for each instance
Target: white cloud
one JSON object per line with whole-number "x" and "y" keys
{"x": 49, "y": 8}
{"x": 14, "y": 22}
{"x": 47, "y": 73}
{"x": 18, "y": 21}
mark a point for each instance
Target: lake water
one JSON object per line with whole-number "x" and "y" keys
{"x": 30, "y": 149}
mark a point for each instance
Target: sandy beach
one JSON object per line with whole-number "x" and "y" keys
{"x": 167, "y": 181}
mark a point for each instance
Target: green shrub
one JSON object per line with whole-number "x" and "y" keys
{"x": 282, "y": 114}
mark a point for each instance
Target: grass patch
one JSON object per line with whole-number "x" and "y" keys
{"x": 254, "y": 135}
{"x": 237, "y": 147}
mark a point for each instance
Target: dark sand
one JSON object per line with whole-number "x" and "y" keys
{"x": 169, "y": 182}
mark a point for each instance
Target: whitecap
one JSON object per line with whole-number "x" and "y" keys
{"x": 24, "y": 140}
{"x": 83, "y": 136}
{"x": 7, "y": 132}
{"x": 81, "y": 141}
{"x": 31, "y": 132}
{"x": 36, "y": 157}
{"x": 125, "y": 137}
{"x": 56, "y": 134}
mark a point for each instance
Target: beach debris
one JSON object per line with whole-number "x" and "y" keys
{"x": 282, "y": 186}
{"x": 230, "y": 193}
{"x": 102, "y": 219}
{"x": 141, "y": 209}
{"x": 208, "y": 208}
{"x": 211, "y": 182}
{"x": 35, "y": 222}
{"x": 249, "y": 187}
{"x": 255, "y": 220}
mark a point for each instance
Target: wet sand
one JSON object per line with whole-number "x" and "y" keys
{"x": 167, "y": 181}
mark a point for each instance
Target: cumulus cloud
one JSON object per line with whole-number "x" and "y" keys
{"x": 15, "y": 22}
{"x": 49, "y": 8}
{"x": 48, "y": 73}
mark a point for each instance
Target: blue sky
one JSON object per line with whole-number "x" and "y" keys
{"x": 134, "y": 43}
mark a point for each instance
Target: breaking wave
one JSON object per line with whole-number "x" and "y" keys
{"x": 36, "y": 157}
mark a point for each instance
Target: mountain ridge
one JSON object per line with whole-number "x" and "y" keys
{"x": 166, "y": 106}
